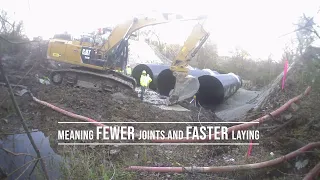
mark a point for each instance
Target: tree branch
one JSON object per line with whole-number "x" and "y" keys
{"x": 21, "y": 118}
{"x": 16, "y": 154}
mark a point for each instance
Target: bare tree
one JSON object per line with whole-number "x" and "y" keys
{"x": 306, "y": 33}
{"x": 13, "y": 31}
{"x": 152, "y": 37}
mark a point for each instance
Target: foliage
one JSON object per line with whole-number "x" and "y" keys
{"x": 207, "y": 56}
{"x": 260, "y": 73}
{"x": 12, "y": 31}
{"x": 90, "y": 164}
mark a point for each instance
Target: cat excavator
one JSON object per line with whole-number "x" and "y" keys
{"x": 94, "y": 64}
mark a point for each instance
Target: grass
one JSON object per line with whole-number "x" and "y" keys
{"x": 90, "y": 164}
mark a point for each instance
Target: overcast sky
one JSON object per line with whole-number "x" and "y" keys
{"x": 251, "y": 24}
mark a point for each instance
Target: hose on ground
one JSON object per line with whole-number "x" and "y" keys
{"x": 67, "y": 113}
{"x": 313, "y": 173}
{"x": 215, "y": 169}
{"x": 230, "y": 129}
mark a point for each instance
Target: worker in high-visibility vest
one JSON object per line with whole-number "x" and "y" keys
{"x": 128, "y": 70}
{"x": 145, "y": 80}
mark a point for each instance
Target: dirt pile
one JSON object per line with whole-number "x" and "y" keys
{"x": 102, "y": 106}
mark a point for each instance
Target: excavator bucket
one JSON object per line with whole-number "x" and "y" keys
{"x": 185, "y": 87}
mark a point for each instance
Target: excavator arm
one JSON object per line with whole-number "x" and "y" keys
{"x": 125, "y": 30}
{"x": 117, "y": 40}
{"x": 187, "y": 86}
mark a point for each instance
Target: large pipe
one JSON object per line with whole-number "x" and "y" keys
{"x": 214, "y": 87}
{"x": 152, "y": 69}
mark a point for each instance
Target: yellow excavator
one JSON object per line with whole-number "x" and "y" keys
{"x": 93, "y": 64}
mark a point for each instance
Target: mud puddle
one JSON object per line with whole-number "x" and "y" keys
{"x": 159, "y": 101}
{"x": 16, "y": 150}
{"x": 233, "y": 108}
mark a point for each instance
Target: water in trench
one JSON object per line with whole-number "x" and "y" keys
{"x": 19, "y": 143}
{"x": 159, "y": 101}
{"x": 233, "y": 108}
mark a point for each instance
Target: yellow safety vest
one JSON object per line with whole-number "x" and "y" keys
{"x": 145, "y": 80}
{"x": 129, "y": 71}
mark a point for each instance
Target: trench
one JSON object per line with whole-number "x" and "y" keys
{"x": 210, "y": 93}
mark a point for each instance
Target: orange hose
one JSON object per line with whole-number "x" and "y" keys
{"x": 67, "y": 113}
{"x": 284, "y": 107}
{"x": 313, "y": 173}
{"x": 230, "y": 168}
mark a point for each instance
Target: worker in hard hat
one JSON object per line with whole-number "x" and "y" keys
{"x": 128, "y": 70}
{"x": 145, "y": 80}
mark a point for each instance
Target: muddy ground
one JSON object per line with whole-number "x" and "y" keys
{"x": 127, "y": 107}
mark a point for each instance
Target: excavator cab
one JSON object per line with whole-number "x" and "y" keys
{"x": 64, "y": 36}
{"x": 186, "y": 86}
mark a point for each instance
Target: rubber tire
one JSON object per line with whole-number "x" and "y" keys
{"x": 53, "y": 74}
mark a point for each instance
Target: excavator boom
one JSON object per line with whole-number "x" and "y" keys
{"x": 187, "y": 86}
{"x": 125, "y": 30}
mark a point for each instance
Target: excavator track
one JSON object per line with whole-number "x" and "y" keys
{"x": 103, "y": 80}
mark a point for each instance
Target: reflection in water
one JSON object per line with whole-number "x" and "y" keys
{"x": 19, "y": 143}
{"x": 151, "y": 97}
